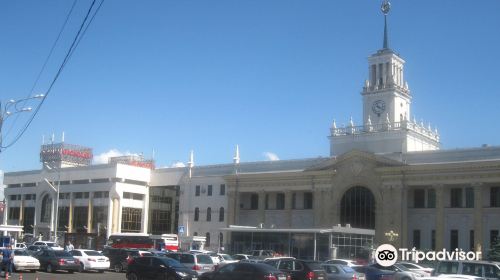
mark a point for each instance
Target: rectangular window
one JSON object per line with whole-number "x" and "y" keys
{"x": 431, "y": 198}
{"x": 160, "y": 221}
{"x": 197, "y": 191}
{"x": 137, "y": 196}
{"x": 280, "y": 201}
{"x": 456, "y": 198}
{"x": 64, "y": 195}
{"x": 495, "y": 197}
{"x": 99, "y": 219}
{"x": 98, "y": 194}
{"x": 209, "y": 190}
{"x": 294, "y": 199}
{"x": 419, "y": 198}
{"x": 80, "y": 217}
{"x": 254, "y": 201}
{"x": 433, "y": 240}
{"x": 14, "y": 213}
{"x": 63, "y": 219}
{"x": 453, "y": 239}
{"x": 416, "y": 239}
{"x": 131, "y": 219}
{"x": 469, "y": 197}
{"x": 308, "y": 200}
{"x": 471, "y": 240}
{"x": 222, "y": 189}
{"x": 493, "y": 237}
{"x": 78, "y": 195}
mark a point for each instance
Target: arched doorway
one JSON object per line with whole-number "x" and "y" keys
{"x": 357, "y": 208}
{"x": 46, "y": 209}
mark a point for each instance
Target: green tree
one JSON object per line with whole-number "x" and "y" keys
{"x": 494, "y": 253}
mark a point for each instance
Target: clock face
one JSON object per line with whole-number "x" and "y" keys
{"x": 378, "y": 107}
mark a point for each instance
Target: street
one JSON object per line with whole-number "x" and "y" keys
{"x": 63, "y": 275}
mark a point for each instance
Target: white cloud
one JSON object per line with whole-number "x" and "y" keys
{"x": 178, "y": 164}
{"x": 271, "y": 156}
{"x": 103, "y": 157}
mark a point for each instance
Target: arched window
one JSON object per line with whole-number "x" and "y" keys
{"x": 209, "y": 214}
{"x": 357, "y": 208}
{"x": 221, "y": 214}
{"x": 196, "y": 214}
{"x": 46, "y": 209}
{"x": 207, "y": 244}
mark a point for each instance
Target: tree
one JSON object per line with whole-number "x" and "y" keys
{"x": 494, "y": 253}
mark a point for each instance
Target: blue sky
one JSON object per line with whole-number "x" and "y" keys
{"x": 269, "y": 75}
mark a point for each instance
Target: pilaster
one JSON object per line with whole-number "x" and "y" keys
{"x": 262, "y": 207}
{"x": 478, "y": 217}
{"x": 439, "y": 217}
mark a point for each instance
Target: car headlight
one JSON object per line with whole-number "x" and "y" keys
{"x": 181, "y": 274}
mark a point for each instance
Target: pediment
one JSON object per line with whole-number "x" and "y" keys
{"x": 356, "y": 159}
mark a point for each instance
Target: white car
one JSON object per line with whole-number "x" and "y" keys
{"x": 225, "y": 259}
{"x": 427, "y": 271}
{"x": 350, "y": 263}
{"x": 23, "y": 261}
{"x": 50, "y": 244}
{"x": 91, "y": 260}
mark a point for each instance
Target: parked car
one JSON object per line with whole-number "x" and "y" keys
{"x": 262, "y": 253}
{"x": 52, "y": 260}
{"x": 50, "y": 244}
{"x": 243, "y": 257}
{"x": 119, "y": 258}
{"x": 299, "y": 269}
{"x": 452, "y": 277}
{"x": 399, "y": 272}
{"x": 198, "y": 262}
{"x": 20, "y": 246}
{"x": 376, "y": 273}
{"x": 417, "y": 268}
{"x": 158, "y": 268}
{"x": 34, "y": 249}
{"x": 342, "y": 272}
{"x": 91, "y": 260}
{"x": 483, "y": 269}
{"x": 225, "y": 259}
{"x": 245, "y": 271}
{"x": 24, "y": 261}
{"x": 342, "y": 262}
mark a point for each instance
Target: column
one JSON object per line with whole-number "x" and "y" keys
{"x": 237, "y": 202}
{"x": 288, "y": 208}
{"x": 439, "y": 217}
{"x": 145, "y": 212}
{"x": 404, "y": 217}
{"x": 317, "y": 206}
{"x": 262, "y": 207}
{"x": 90, "y": 213}
{"x": 115, "y": 219}
{"x": 478, "y": 217}
{"x": 70, "y": 218}
{"x": 21, "y": 210}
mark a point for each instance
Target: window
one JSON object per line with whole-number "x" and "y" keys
{"x": 134, "y": 196}
{"x": 469, "y": 197}
{"x": 266, "y": 202}
{"x": 209, "y": 190}
{"x": 64, "y": 195}
{"x": 80, "y": 218}
{"x": 280, "y": 201}
{"x": 416, "y": 239}
{"x": 453, "y": 239}
{"x": 207, "y": 242}
{"x": 221, "y": 214}
{"x": 209, "y": 214}
{"x": 254, "y": 201}
{"x": 15, "y": 197}
{"x": 456, "y": 197}
{"x": 493, "y": 237}
{"x": 196, "y": 214}
{"x": 81, "y": 195}
{"x": 131, "y": 219}
{"x": 495, "y": 197}
{"x": 419, "y": 198}
{"x": 63, "y": 219}
{"x": 14, "y": 213}
{"x": 431, "y": 198}
{"x": 308, "y": 200}
{"x": 433, "y": 240}
{"x": 46, "y": 209}
{"x": 99, "y": 219}
{"x": 294, "y": 198}
{"x": 160, "y": 221}
{"x": 471, "y": 240}
{"x": 197, "y": 191}
{"x": 222, "y": 189}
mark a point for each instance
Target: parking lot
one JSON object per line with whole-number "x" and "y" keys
{"x": 108, "y": 275}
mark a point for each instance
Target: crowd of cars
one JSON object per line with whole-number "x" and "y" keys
{"x": 256, "y": 265}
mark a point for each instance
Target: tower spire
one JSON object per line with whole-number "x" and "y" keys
{"x": 386, "y": 7}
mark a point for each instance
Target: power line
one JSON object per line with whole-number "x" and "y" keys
{"x": 69, "y": 53}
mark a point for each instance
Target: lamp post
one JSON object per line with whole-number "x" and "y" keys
{"x": 11, "y": 108}
{"x": 56, "y": 190}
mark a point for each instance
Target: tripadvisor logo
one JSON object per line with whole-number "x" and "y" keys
{"x": 387, "y": 255}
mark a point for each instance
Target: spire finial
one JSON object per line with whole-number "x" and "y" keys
{"x": 386, "y": 7}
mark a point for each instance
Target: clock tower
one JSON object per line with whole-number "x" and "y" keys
{"x": 387, "y": 126}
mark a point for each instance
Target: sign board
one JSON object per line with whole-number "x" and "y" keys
{"x": 180, "y": 230}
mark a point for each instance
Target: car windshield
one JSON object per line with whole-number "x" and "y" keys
{"x": 204, "y": 259}
{"x": 20, "y": 253}
{"x": 62, "y": 254}
{"x": 92, "y": 253}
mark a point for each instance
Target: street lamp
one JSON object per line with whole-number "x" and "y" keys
{"x": 56, "y": 190}
{"x": 13, "y": 107}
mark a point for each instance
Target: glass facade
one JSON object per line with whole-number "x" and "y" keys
{"x": 357, "y": 208}
{"x": 131, "y": 219}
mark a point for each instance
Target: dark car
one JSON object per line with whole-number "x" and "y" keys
{"x": 158, "y": 268}
{"x": 120, "y": 258}
{"x": 299, "y": 269}
{"x": 52, "y": 260}
{"x": 340, "y": 272}
{"x": 34, "y": 249}
{"x": 374, "y": 273}
{"x": 245, "y": 271}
